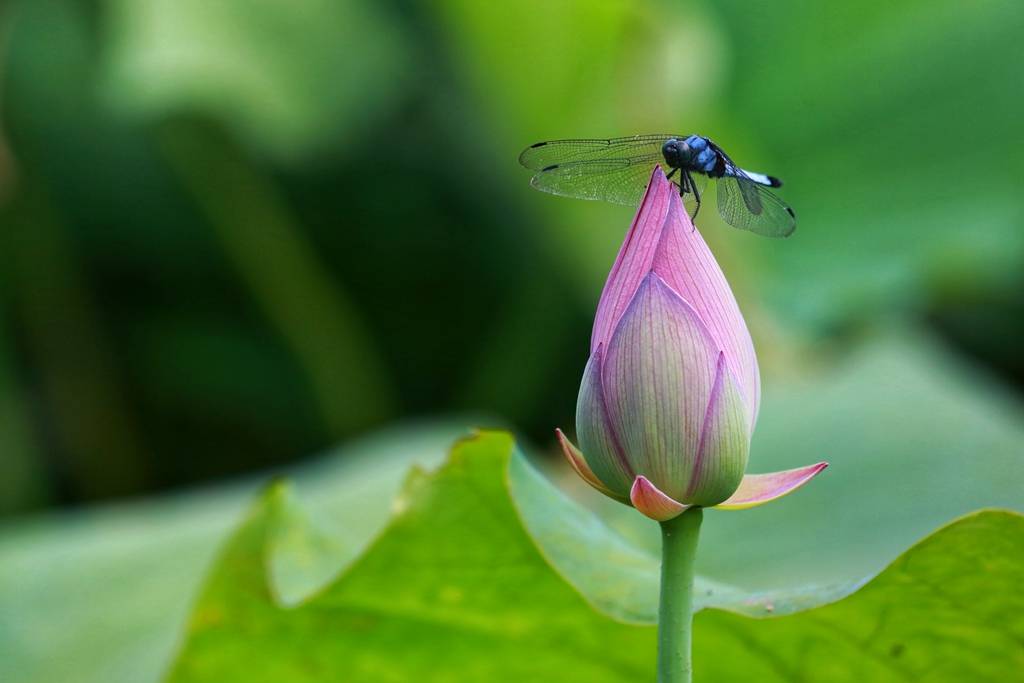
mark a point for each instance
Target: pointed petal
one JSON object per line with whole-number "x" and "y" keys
{"x": 684, "y": 261}
{"x": 579, "y": 463}
{"x": 657, "y": 377}
{"x": 724, "y": 443}
{"x": 597, "y": 435}
{"x": 634, "y": 260}
{"x": 758, "y": 489}
{"x": 648, "y": 499}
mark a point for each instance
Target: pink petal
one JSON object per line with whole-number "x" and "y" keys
{"x": 597, "y": 436}
{"x": 724, "y": 443}
{"x": 657, "y": 377}
{"x": 758, "y": 489}
{"x": 634, "y": 260}
{"x": 662, "y": 237}
{"x": 646, "y": 498}
{"x": 684, "y": 261}
{"x": 579, "y": 463}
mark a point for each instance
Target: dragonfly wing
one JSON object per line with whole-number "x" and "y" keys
{"x": 747, "y": 205}
{"x": 543, "y": 154}
{"x": 621, "y": 181}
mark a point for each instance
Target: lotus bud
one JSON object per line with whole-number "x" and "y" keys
{"x": 671, "y": 391}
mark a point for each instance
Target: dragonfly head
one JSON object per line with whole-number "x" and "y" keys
{"x": 677, "y": 153}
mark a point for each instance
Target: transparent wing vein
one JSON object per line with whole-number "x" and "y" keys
{"x": 746, "y": 205}
{"x": 544, "y": 154}
{"x": 621, "y": 181}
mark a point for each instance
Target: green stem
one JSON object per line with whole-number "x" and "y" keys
{"x": 675, "y": 612}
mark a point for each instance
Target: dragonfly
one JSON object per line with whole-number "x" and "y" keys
{"x": 617, "y": 170}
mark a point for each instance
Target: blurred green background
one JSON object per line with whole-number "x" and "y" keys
{"x": 236, "y": 233}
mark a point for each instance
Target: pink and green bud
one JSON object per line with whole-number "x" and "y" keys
{"x": 671, "y": 392}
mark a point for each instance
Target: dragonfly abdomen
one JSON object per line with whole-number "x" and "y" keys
{"x": 762, "y": 179}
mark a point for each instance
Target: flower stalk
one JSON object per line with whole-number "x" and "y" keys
{"x": 675, "y": 607}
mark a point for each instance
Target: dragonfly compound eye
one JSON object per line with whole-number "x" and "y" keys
{"x": 676, "y": 152}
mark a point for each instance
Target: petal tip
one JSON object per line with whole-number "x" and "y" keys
{"x": 649, "y": 500}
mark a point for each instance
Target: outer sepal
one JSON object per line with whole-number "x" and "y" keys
{"x": 651, "y": 501}
{"x": 758, "y": 489}
{"x": 579, "y": 464}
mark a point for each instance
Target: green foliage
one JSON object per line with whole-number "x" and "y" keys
{"x": 201, "y": 277}
{"x": 456, "y": 589}
{"x": 897, "y": 195}
{"x": 913, "y": 442}
{"x": 948, "y": 610}
{"x": 59, "y": 576}
{"x": 21, "y": 480}
{"x": 101, "y": 596}
{"x": 903, "y": 180}
{"x": 354, "y": 168}
{"x": 620, "y": 577}
{"x": 288, "y": 75}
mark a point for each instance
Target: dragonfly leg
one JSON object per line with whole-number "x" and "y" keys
{"x": 696, "y": 196}
{"x": 671, "y": 173}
